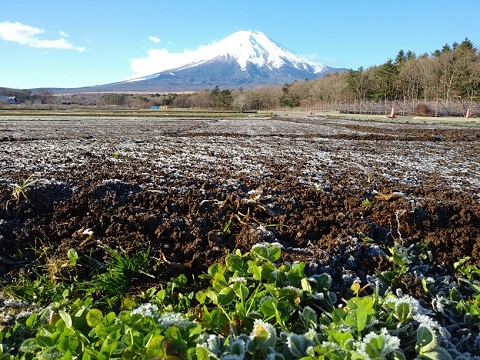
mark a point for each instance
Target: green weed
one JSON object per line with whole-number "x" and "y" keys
{"x": 120, "y": 269}
{"x": 255, "y": 308}
{"x": 19, "y": 190}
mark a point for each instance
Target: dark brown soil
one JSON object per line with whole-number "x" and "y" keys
{"x": 194, "y": 190}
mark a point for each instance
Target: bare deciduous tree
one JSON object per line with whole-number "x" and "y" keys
{"x": 240, "y": 102}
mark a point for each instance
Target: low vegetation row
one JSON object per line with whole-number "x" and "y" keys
{"x": 248, "y": 307}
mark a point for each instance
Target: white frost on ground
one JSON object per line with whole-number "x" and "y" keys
{"x": 172, "y": 149}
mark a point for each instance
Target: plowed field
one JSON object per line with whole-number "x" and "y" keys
{"x": 335, "y": 193}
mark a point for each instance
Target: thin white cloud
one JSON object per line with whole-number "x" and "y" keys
{"x": 29, "y": 35}
{"x": 154, "y": 39}
{"x": 57, "y": 44}
{"x": 17, "y": 32}
{"x": 63, "y": 34}
{"x": 158, "y": 60}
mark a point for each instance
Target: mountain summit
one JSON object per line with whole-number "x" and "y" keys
{"x": 244, "y": 59}
{"x": 249, "y": 48}
{"x": 256, "y": 48}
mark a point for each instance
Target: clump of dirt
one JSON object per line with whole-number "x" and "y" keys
{"x": 195, "y": 190}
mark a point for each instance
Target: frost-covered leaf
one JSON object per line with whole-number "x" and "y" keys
{"x": 212, "y": 343}
{"x": 436, "y": 353}
{"x": 322, "y": 281}
{"x": 30, "y": 346}
{"x": 308, "y": 318}
{"x": 380, "y": 345}
{"x": 268, "y": 252}
{"x": 426, "y": 339}
{"x": 402, "y": 311}
{"x": 238, "y": 347}
{"x": 263, "y": 335}
{"x": 234, "y": 262}
{"x": 298, "y": 344}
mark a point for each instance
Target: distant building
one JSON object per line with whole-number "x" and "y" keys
{"x": 159, "y": 107}
{"x": 8, "y": 99}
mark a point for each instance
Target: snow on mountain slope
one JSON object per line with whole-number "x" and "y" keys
{"x": 257, "y": 48}
{"x": 245, "y": 47}
{"x": 245, "y": 59}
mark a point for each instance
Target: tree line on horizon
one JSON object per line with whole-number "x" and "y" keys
{"x": 448, "y": 74}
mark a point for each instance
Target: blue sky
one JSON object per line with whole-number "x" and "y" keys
{"x": 54, "y": 43}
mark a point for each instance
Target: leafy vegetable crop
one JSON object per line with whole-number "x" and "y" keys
{"x": 256, "y": 308}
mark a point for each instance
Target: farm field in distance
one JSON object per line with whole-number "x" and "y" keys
{"x": 197, "y": 189}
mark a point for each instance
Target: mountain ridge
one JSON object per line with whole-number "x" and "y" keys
{"x": 244, "y": 59}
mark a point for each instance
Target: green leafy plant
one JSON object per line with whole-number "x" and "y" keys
{"x": 254, "y": 307}
{"x": 19, "y": 190}
{"x": 118, "y": 272}
{"x": 49, "y": 278}
{"x": 227, "y": 226}
{"x": 470, "y": 271}
{"x": 366, "y": 203}
{"x": 250, "y": 287}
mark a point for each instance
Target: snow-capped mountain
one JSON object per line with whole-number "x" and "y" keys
{"x": 247, "y": 48}
{"x": 243, "y": 59}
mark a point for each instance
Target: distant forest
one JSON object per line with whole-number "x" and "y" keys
{"x": 448, "y": 74}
